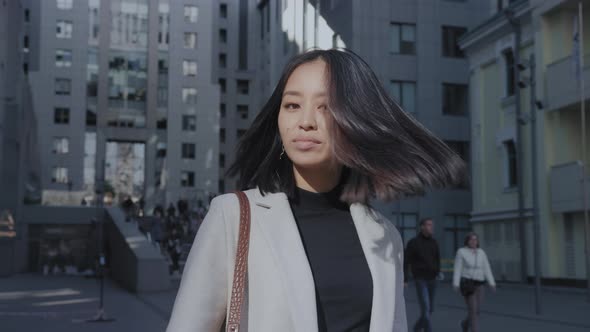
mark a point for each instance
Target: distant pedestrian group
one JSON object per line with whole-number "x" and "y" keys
{"x": 471, "y": 271}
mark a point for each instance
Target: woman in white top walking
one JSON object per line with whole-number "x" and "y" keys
{"x": 472, "y": 270}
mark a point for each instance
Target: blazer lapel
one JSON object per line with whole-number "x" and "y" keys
{"x": 273, "y": 214}
{"x": 379, "y": 252}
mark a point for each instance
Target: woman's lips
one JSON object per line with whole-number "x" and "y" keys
{"x": 305, "y": 144}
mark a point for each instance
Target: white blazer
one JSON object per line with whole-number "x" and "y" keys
{"x": 281, "y": 292}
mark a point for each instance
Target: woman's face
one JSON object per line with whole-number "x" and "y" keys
{"x": 472, "y": 242}
{"x": 304, "y": 117}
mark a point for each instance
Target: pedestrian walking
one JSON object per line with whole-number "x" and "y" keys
{"x": 328, "y": 140}
{"x": 472, "y": 270}
{"x": 423, "y": 257}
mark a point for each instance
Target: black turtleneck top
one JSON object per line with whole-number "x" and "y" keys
{"x": 344, "y": 288}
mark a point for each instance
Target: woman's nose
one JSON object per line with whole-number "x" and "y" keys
{"x": 308, "y": 119}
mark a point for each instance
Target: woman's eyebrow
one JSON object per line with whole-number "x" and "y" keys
{"x": 299, "y": 94}
{"x": 292, "y": 93}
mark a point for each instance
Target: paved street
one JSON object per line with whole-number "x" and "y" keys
{"x": 35, "y": 303}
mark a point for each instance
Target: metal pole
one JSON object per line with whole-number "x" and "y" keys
{"x": 519, "y": 156}
{"x": 101, "y": 259}
{"x": 584, "y": 161}
{"x": 100, "y": 316}
{"x": 536, "y": 217}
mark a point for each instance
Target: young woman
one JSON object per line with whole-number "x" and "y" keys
{"x": 472, "y": 270}
{"x": 328, "y": 140}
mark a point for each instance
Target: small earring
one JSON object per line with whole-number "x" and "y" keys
{"x": 282, "y": 153}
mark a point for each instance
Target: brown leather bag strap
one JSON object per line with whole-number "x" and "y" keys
{"x": 241, "y": 265}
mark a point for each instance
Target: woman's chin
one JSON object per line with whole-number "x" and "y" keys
{"x": 309, "y": 162}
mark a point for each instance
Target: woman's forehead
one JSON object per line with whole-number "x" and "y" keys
{"x": 309, "y": 79}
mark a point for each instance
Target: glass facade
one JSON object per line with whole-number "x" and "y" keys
{"x": 127, "y": 89}
{"x": 127, "y": 71}
{"x": 164, "y": 25}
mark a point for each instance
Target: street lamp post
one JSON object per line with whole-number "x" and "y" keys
{"x": 516, "y": 27}
{"x": 536, "y": 219}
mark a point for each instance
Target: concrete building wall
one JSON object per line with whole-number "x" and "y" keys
{"x": 239, "y": 23}
{"x": 547, "y": 28}
{"x": 206, "y": 135}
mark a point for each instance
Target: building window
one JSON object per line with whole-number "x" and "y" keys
{"x": 455, "y": 99}
{"x": 191, "y": 14}
{"x": 222, "y": 60}
{"x": 221, "y": 186}
{"x": 63, "y": 58}
{"x": 63, "y": 86}
{"x": 462, "y": 149}
{"x": 188, "y": 151}
{"x": 222, "y": 36}
{"x": 162, "y": 96}
{"x": 25, "y": 68}
{"x": 189, "y": 68}
{"x": 240, "y": 133}
{"x": 403, "y": 38}
{"x": 162, "y": 123}
{"x": 223, "y": 10}
{"x": 61, "y": 115}
{"x": 405, "y": 94}
{"x": 189, "y": 122}
{"x": 243, "y": 87}
{"x": 161, "y": 149}
{"x": 64, "y": 29}
{"x": 222, "y": 85}
{"x": 189, "y": 96}
{"x": 27, "y": 15}
{"x": 190, "y": 40}
{"x": 450, "y": 41}
{"x": 26, "y": 44}
{"x": 222, "y": 111}
{"x": 407, "y": 224}
{"x": 59, "y": 175}
{"x": 243, "y": 111}
{"x": 221, "y": 160}
{"x": 164, "y": 24}
{"x": 222, "y": 135}
{"x": 455, "y": 230}
{"x": 187, "y": 179}
{"x": 511, "y": 166}
{"x": 61, "y": 145}
{"x": 509, "y": 62}
{"x": 64, "y": 4}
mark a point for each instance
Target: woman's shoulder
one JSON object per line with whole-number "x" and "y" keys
{"x": 231, "y": 199}
{"x": 387, "y": 224}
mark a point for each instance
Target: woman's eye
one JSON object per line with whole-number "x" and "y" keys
{"x": 291, "y": 106}
{"x": 323, "y": 107}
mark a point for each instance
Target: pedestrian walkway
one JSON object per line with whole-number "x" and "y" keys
{"x": 510, "y": 308}
{"x": 62, "y": 304}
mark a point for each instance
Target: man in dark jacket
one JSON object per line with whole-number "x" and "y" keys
{"x": 422, "y": 256}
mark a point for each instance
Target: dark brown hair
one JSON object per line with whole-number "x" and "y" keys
{"x": 385, "y": 152}
{"x": 468, "y": 237}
